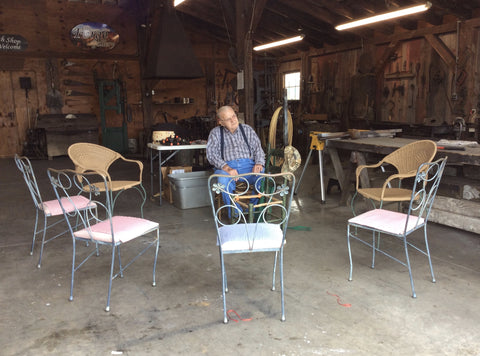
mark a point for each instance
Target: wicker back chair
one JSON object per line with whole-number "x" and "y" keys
{"x": 92, "y": 157}
{"x": 406, "y": 161}
{"x": 400, "y": 225}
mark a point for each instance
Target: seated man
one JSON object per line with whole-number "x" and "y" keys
{"x": 234, "y": 148}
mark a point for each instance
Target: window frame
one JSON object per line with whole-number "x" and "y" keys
{"x": 295, "y": 88}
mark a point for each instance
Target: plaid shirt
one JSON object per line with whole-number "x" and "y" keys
{"x": 235, "y": 146}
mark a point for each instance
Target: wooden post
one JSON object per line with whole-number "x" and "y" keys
{"x": 306, "y": 72}
{"x": 248, "y": 14}
{"x": 248, "y": 80}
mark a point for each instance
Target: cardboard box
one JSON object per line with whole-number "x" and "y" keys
{"x": 166, "y": 189}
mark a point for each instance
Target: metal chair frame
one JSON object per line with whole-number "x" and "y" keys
{"x": 401, "y": 225}
{"x": 108, "y": 230}
{"x": 41, "y": 207}
{"x": 242, "y": 234}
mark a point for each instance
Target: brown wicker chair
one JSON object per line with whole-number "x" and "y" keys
{"x": 92, "y": 157}
{"x": 406, "y": 161}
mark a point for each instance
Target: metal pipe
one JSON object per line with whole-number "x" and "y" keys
{"x": 285, "y": 118}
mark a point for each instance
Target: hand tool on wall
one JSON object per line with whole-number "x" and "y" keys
{"x": 76, "y": 93}
{"x": 69, "y": 72}
{"x": 75, "y": 101}
{"x": 71, "y": 82}
{"x": 67, "y": 64}
{"x": 54, "y": 97}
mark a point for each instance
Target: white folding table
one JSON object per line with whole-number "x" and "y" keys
{"x": 174, "y": 150}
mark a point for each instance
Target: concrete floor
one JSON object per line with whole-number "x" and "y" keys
{"x": 183, "y": 314}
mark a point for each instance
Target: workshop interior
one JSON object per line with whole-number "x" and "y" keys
{"x": 369, "y": 106}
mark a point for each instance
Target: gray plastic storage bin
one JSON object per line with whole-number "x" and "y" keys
{"x": 189, "y": 190}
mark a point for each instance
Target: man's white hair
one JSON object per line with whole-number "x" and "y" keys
{"x": 222, "y": 109}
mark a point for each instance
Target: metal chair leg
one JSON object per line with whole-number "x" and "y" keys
{"x": 34, "y": 232}
{"x": 43, "y": 242}
{"x": 281, "y": 285}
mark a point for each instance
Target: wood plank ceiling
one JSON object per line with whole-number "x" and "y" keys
{"x": 315, "y": 19}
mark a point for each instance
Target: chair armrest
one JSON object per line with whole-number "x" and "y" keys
{"x": 359, "y": 169}
{"x": 140, "y": 165}
{"x": 396, "y": 176}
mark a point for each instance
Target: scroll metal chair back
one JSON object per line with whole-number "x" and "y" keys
{"x": 405, "y": 162}
{"x": 89, "y": 156}
{"x": 102, "y": 228}
{"x": 400, "y": 225}
{"x": 239, "y": 233}
{"x": 48, "y": 209}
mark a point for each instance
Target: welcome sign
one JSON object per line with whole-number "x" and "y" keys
{"x": 94, "y": 36}
{"x": 12, "y": 43}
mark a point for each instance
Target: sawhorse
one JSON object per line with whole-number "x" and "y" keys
{"x": 318, "y": 145}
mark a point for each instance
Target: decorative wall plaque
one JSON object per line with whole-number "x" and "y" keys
{"x": 12, "y": 43}
{"x": 94, "y": 35}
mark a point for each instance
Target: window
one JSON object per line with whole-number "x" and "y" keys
{"x": 292, "y": 84}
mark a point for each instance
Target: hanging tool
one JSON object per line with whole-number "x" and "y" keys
{"x": 74, "y": 82}
{"x": 66, "y": 64}
{"x": 54, "y": 97}
{"x": 76, "y": 73}
{"x": 74, "y": 101}
{"x": 76, "y": 93}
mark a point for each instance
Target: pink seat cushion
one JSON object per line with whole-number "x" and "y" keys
{"x": 53, "y": 208}
{"x": 250, "y": 237}
{"x": 125, "y": 228}
{"x": 386, "y": 220}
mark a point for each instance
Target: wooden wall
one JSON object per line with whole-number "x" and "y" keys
{"x": 64, "y": 77}
{"x": 424, "y": 77}
{"x": 409, "y": 77}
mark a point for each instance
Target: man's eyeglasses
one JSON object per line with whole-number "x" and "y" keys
{"x": 230, "y": 119}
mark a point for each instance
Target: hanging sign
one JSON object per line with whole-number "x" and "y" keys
{"x": 94, "y": 35}
{"x": 12, "y": 43}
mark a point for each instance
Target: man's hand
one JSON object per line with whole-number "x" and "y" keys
{"x": 257, "y": 168}
{"x": 230, "y": 171}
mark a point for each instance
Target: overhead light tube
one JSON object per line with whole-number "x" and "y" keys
{"x": 278, "y": 43}
{"x": 385, "y": 16}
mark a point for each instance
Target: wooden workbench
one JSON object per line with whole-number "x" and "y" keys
{"x": 386, "y": 145}
{"x": 459, "y": 213}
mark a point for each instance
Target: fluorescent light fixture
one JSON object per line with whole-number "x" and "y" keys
{"x": 279, "y": 43}
{"x": 177, "y": 2}
{"x": 385, "y": 16}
